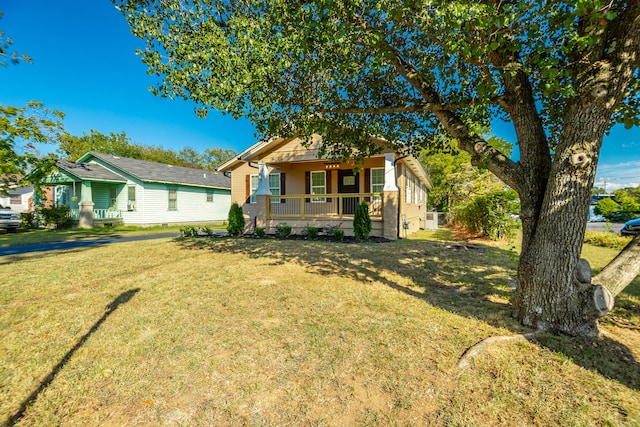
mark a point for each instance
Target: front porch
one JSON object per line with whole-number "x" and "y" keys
{"x": 101, "y": 217}
{"x": 329, "y": 206}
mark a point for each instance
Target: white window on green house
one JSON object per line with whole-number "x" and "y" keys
{"x": 318, "y": 185}
{"x": 377, "y": 182}
{"x": 131, "y": 198}
{"x": 209, "y": 196}
{"x": 113, "y": 198}
{"x": 274, "y": 187}
{"x": 173, "y": 199}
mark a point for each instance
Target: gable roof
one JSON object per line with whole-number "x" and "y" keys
{"x": 260, "y": 148}
{"x": 159, "y": 172}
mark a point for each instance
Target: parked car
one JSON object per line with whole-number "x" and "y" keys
{"x": 631, "y": 228}
{"x": 9, "y": 220}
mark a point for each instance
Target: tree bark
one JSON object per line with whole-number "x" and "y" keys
{"x": 549, "y": 296}
{"x": 621, "y": 271}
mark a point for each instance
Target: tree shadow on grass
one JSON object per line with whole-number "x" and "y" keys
{"x": 123, "y": 298}
{"x": 475, "y": 281}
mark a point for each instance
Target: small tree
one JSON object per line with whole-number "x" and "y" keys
{"x": 606, "y": 207}
{"x": 235, "y": 226}
{"x": 362, "y": 221}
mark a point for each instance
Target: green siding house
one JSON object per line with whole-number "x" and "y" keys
{"x": 106, "y": 189}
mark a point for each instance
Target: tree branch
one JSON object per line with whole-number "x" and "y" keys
{"x": 481, "y": 152}
{"x": 621, "y": 271}
{"x": 409, "y": 107}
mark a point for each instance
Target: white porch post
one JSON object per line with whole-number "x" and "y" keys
{"x": 390, "y": 179}
{"x": 262, "y": 192}
{"x": 263, "y": 180}
{"x": 391, "y": 199}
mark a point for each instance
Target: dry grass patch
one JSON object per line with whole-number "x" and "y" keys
{"x": 269, "y": 332}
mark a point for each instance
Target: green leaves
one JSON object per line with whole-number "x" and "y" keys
{"x": 20, "y": 129}
{"x": 300, "y": 67}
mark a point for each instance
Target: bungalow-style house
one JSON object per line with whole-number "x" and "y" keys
{"x": 280, "y": 181}
{"x": 105, "y": 189}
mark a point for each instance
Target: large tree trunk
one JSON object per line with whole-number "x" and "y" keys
{"x": 549, "y": 295}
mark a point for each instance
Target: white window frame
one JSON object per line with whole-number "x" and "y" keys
{"x": 313, "y": 189}
{"x": 274, "y": 187}
{"x": 113, "y": 198}
{"x": 376, "y": 187}
{"x": 131, "y": 203}
{"x": 253, "y": 187}
{"x": 175, "y": 199}
{"x": 209, "y": 198}
{"x": 408, "y": 177}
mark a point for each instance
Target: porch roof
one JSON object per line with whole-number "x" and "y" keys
{"x": 88, "y": 172}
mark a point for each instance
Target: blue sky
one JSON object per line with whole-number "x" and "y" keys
{"x": 84, "y": 64}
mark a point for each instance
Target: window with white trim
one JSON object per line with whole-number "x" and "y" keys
{"x": 407, "y": 185}
{"x": 274, "y": 187}
{"x": 318, "y": 185}
{"x": 113, "y": 198}
{"x": 16, "y": 199}
{"x": 131, "y": 198}
{"x": 377, "y": 182}
{"x": 173, "y": 199}
{"x": 416, "y": 186}
{"x": 253, "y": 187}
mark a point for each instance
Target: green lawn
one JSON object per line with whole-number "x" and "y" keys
{"x": 288, "y": 332}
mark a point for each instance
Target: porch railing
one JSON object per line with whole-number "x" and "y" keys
{"x": 74, "y": 214}
{"x": 322, "y": 205}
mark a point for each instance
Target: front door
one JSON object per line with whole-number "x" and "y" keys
{"x": 348, "y": 182}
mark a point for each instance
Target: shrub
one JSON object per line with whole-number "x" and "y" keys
{"x": 490, "y": 214}
{"x": 312, "y": 232}
{"x": 338, "y": 234}
{"x": 259, "y": 231}
{"x": 206, "y": 230}
{"x": 362, "y": 221}
{"x": 57, "y": 216}
{"x": 283, "y": 230}
{"x": 235, "y": 226}
{"x": 189, "y": 231}
{"x": 28, "y": 219}
{"x": 605, "y": 239}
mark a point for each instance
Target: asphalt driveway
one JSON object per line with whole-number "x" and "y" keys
{"x": 54, "y": 246}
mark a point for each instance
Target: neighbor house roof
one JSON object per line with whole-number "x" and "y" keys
{"x": 89, "y": 171}
{"x": 159, "y": 172}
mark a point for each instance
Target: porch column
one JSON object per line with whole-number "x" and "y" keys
{"x": 391, "y": 198}
{"x": 262, "y": 192}
{"x": 86, "y": 214}
{"x": 85, "y": 192}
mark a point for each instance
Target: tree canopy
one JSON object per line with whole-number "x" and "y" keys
{"x": 562, "y": 72}
{"x": 20, "y": 129}
{"x": 119, "y": 144}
